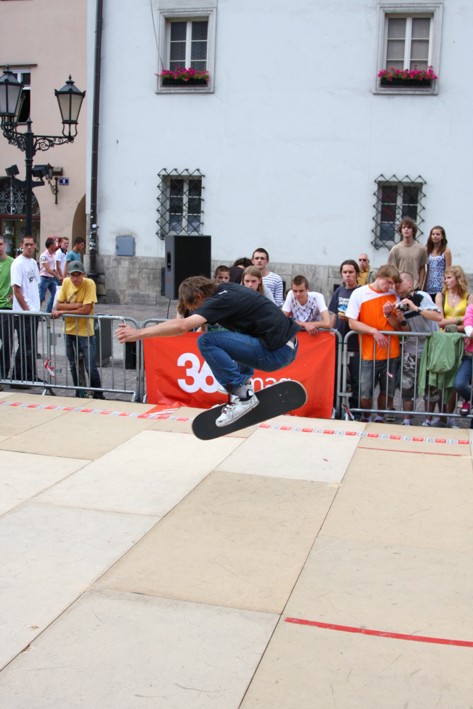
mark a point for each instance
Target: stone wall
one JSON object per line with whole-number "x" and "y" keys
{"x": 134, "y": 281}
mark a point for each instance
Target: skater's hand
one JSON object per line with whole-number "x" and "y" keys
{"x": 126, "y": 333}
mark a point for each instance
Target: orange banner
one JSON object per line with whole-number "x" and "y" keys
{"x": 176, "y": 374}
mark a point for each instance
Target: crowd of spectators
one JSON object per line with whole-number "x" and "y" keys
{"x": 416, "y": 294}
{"x": 23, "y": 288}
{"x": 401, "y": 313}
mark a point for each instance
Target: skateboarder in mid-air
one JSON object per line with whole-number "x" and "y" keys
{"x": 257, "y": 335}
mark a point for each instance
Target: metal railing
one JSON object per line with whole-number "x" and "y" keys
{"x": 37, "y": 353}
{"x": 412, "y": 398}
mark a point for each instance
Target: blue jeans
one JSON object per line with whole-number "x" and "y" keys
{"x": 75, "y": 346}
{"x": 233, "y": 356}
{"x": 462, "y": 382}
{"x": 45, "y": 284}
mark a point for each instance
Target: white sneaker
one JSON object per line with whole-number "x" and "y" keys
{"x": 452, "y": 423}
{"x": 407, "y": 422}
{"x": 378, "y": 419}
{"x": 435, "y": 421}
{"x": 235, "y": 409}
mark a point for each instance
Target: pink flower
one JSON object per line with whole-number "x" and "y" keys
{"x": 407, "y": 75}
{"x": 184, "y": 74}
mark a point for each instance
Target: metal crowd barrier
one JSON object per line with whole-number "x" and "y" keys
{"x": 35, "y": 353}
{"x": 422, "y": 407}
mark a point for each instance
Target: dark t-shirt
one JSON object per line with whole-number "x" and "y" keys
{"x": 338, "y": 304}
{"x": 241, "y": 309}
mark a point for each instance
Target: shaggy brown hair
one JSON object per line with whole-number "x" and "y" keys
{"x": 193, "y": 290}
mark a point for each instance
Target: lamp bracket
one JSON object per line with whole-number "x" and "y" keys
{"x": 38, "y": 142}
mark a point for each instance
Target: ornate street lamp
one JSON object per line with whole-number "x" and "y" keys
{"x": 69, "y": 99}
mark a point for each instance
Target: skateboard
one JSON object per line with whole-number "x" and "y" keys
{"x": 277, "y": 399}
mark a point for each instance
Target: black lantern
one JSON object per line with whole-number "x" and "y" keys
{"x": 69, "y": 99}
{"x": 10, "y": 95}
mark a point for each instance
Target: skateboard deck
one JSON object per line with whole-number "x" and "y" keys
{"x": 277, "y": 399}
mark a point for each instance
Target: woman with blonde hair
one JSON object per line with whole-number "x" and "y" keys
{"x": 453, "y": 302}
{"x": 453, "y": 299}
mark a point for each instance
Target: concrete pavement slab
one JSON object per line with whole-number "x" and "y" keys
{"x": 149, "y": 474}
{"x": 124, "y": 651}
{"x": 81, "y": 435}
{"x": 23, "y": 475}
{"x": 292, "y": 454}
{"x": 391, "y": 588}
{"x": 13, "y": 421}
{"x": 49, "y": 556}
{"x": 311, "y": 667}
{"x": 201, "y": 550}
{"x": 390, "y": 497}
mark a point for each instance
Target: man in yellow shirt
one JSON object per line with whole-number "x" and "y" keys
{"x": 78, "y": 296}
{"x": 365, "y": 275}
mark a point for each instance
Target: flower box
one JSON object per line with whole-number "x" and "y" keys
{"x": 182, "y": 77}
{"x": 407, "y": 78}
{"x": 407, "y": 83}
{"x": 169, "y": 81}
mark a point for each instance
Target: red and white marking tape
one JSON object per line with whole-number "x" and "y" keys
{"x": 172, "y": 415}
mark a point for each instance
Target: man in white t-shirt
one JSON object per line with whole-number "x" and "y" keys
{"x": 61, "y": 257}
{"x": 272, "y": 281}
{"x": 25, "y": 281}
{"x": 306, "y": 307}
{"x": 48, "y": 273}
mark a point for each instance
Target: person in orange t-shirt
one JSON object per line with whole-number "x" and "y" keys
{"x": 379, "y": 353}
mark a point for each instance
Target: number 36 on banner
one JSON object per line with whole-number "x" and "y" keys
{"x": 199, "y": 376}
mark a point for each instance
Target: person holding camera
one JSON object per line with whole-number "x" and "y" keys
{"x": 379, "y": 351}
{"x": 417, "y": 314}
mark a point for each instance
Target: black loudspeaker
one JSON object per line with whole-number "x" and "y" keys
{"x": 185, "y": 256}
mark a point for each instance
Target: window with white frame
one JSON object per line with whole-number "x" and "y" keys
{"x": 409, "y": 38}
{"x": 180, "y": 203}
{"x": 396, "y": 199}
{"x": 408, "y": 42}
{"x": 186, "y": 42}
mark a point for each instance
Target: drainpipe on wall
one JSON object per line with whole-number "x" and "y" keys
{"x": 93, "y": 226}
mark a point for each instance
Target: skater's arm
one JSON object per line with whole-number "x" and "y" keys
{"x": 170, "y": 328}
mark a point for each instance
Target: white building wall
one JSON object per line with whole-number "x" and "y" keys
{"x": 293, "y": 137}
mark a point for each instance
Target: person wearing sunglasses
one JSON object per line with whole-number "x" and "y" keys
{"x": 365, "y": 275}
